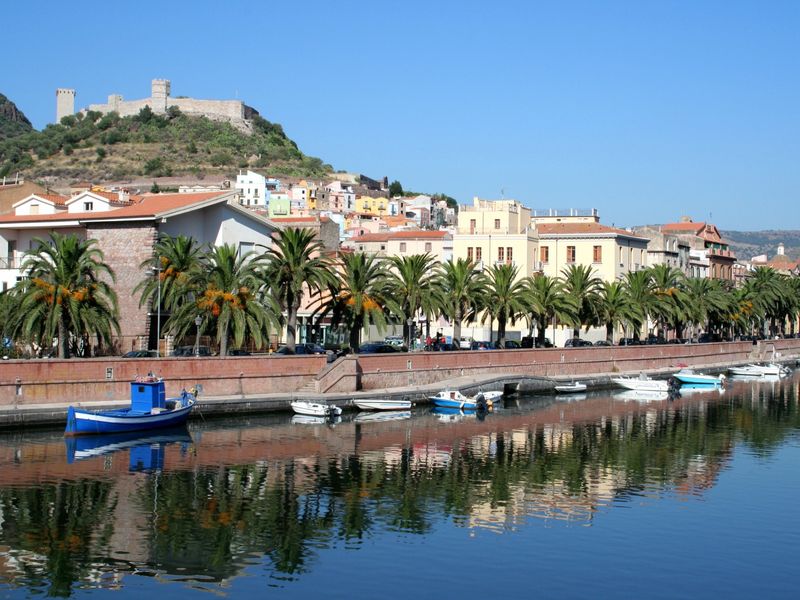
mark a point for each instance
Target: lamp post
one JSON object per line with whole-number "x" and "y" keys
{"x": 157, "y": 271}
{"x": 197, "y": 321}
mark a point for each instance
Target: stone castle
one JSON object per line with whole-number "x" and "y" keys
{"x": 236, "y": 112}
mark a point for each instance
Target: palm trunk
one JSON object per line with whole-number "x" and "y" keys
{"x": 610, "y": 332}
{"x": 540, "y": 335}
{"x": 223, "y": 344}
{"x": 457, "y": 327}
{"x": 62, "y": 336}
{"x": 291, "y": 324}
{"x": 355, "y": 334}
{"x": 501, "y": 331}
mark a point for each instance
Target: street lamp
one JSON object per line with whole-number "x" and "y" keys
{"x": 197, "y": 321}
{"x": 157, "y": 271}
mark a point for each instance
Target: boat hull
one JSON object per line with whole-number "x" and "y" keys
{"x": 383, "y": 404}
{"x": 456, "y": 404}
{"x": 314, "y": 409}
{"x": 642, "y": 385}
{"x": 85, "y": 422}
{"x": 572, "y": 388}
{"x": 697, "y": 379}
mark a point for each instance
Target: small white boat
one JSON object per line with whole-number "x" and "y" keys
{"x": 772, "y": 369}
{"x": 745, "y": 371}
{"x": 691, "y": 377}
{"x": 382, "y": 404}
{"x": 491, "y": 395}
{"x": 315, "y": 409}
{"x": 571, "y": 388}
{"x": 376, "y": 417}
{"x": 643, "y": 383}
{"x": 457, "y": 400}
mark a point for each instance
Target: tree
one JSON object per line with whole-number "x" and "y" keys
{"x": 359, "y": 297}
{"x": 704, "y": 299}
{"x": 226, "y": 301}
{"x": 505, "y": 298}
{"x": 666, "y": 292}
{"x": 581, "y": 285}
{"x": 296, "y": 264}
{"x": 175, "y": 260}
{"x": 395, "y": 189}
{"x": 639, "y": 285}
{"x": 463, "y": 289}
{"x": 546, "y": 300}
{"x": 66, "y": 295}
{"x": 614, "y": 307}
{"x": 412, "y": 286}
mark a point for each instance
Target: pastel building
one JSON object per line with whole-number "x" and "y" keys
{"x": 705, "y": 240}
{"x": 253, "y": 189}
{"x": 438, "y": 244}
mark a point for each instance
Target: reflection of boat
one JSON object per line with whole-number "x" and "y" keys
{"x": 643, "y": 383}
{"x": 315, "y": 409}
{"x": 571, "y": 388}
{"x": 382, "y": 404}
{"x": 457, "y": 400}
{"x": 81, "y": 448}
{"x": 690, "y": 376}
{"x": 375, "y": 417}
{"x": 311, "y": 420}
{"x": 149, "y": 409}
{"x": 451, "y": 415}
{"x": 570, "y": 397}
{"x": 693, "y": 388}
{"x": 642, "y": 395}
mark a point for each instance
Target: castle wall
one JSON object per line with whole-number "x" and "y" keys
{"x": 125, "y": 108}
{"x": 213, "y": 109}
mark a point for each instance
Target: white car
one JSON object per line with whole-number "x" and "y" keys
{"x": 465, "y": 343}
{"x": 394, "y": 340}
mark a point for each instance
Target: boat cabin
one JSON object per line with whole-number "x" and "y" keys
{"x": 148, "y": 393}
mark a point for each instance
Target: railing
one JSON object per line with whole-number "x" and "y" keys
{"x": 564, "y": 212}
{"x": 10, "y": 262}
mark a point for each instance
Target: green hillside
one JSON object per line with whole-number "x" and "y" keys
{"x": 13, "y": 122}
{"x": 97, "y": 147}
{"x": 747, "y": 244}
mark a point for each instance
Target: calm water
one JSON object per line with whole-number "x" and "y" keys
{"x": 604, "y": 496}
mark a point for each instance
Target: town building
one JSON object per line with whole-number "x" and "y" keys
{"x": 438, "y": 244}
{"x": 253, "y": 189}
{"x": 664, "y": 248}
{"x": 780, "y": 262}
{"x": 14, "y": 190}
{"x": 705, "y": 240}
{"x": 336, "y": 197}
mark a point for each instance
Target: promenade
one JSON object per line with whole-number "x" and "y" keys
{"x": 44, "y": 402}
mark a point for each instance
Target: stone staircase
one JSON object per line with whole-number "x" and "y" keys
{"x": 310, "y": 387}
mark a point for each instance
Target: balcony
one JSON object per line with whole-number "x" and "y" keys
{"x": 11, "y": 262}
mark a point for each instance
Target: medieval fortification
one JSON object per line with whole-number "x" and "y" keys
{"x": 236, "y": 112}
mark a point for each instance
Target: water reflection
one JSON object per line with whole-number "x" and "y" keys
{"x": 202, "y": 507}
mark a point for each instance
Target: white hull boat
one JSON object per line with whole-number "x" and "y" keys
{"x": 745, "y": 371}
{"x": 571, "y": 388}
{"x": 754, "y": 370}
{"x": 643, "y": 383}
{"x": 379, "y": 404}
{"x": 455, "y": 399}
{"x": 315, "y": 409}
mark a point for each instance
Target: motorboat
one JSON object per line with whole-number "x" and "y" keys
{"x": 378, "y": 417}
{"x": 772, "y": 369}
{"x": 457, "y": 400}
{"x": 643, "y": 395}
{"x": 745, "y": 371}
{"x": 382, "y": 404}
{"x": 570, "y": 388}
{"x": 643, "y": 383}
{"x": 692, "y": 377}
{"x": 315, "y": 409}
{"x": 149, "y": 409}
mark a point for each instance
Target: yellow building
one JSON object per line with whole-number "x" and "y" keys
{"x": 372, "y": 206}
{"x": 493, "y": 232}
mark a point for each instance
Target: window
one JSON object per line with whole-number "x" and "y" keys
{"x": 478, "y": 253}
{"x": 497, "y": 223}
{"x": 597, "y": 254}
{"x": 428, "y": 246}
{"x": 509, "y": 254}
{"x": 383, "y": 247}
{"x": 469, "y": 254}
{"x": 544, "y": 254}
{"x": 402, "y": 246}
{"x": 34, "y": 210}
{"x": 88, "y": 206}
{"x": 501, "y": 254}
{"x": 472, "y": 225}
{"x": 570, "y": 254}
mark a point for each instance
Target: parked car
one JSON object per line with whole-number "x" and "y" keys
{"x": 302, "y": 349}
{"x": 576, "y": 343}
{"x": 465, "y": 343}
{"x": 705, "y": 338}
{"x": 238, "y": 352}
{"x": 444, "y": 348}
{"x": 394, "y": 340}
{"x": 141, "y": 354}
{"x": 602, "y": 343}
{"x": 654, "y": 340}
{"x": 481, "y": 346}
{"x": 629, "y": 342}
{"x": 512, "y": 345}
{"x": 377, "y": 348}
{"x": 190, "y": 351}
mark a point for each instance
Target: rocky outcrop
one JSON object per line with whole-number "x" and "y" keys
{"x": 13, "y": 122}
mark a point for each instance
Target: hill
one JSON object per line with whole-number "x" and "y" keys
{"x": 12, "y": 121}
{"x": 97, "y": 147}
{"x": 747, "y": 244}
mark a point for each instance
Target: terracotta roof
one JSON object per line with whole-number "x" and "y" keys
{"x": 150, "y": 206}
{"x": 401, "y": 235}
{"x": 687, "y": 226}
{"x": 56, "y": 199}
{"x": 395, "y": 220}
{"x": 581, "y": 229}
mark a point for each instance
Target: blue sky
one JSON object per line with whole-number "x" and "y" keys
{"x": 644, "y": 110}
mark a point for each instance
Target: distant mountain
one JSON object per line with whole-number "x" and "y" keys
{"x": 12, "y": 121}
{"x": 747, "y": 244}
{"x": 97, "y": 147}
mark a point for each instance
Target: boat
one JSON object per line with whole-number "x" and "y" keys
{"x": 745, "y": 371}
{"x": 382, "y": 404}
{"x": 491, "y": 395}
{"x": 85, "y": 447}
{"x": 643, "y": 383}
{"x": 149, "y": 409}
{"x": 571, "y": 388}
{"x": 771, "y": 369}
{"x": 457, "y": 400}
{"x": 315, "y": 409}
{"x": 692, "y": 377}
{"x": 375, "y": 417}
{"x": 642, "y": 395}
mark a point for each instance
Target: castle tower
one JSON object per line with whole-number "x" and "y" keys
{"x": 159, "y": 94}
{"x": 65, "y": 103}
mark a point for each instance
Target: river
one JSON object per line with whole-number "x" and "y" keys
{"x": 594, "y": 496}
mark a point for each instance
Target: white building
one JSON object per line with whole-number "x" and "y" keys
{"x": 254, "y": 189}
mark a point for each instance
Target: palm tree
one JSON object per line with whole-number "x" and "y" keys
{"x": 766, "y": 293}
{"x": 359, "y": 297}
{"x": 705, "y": 299}
{"x": 463, "y": 288}
{"x": 505, "y": 298}
{"x": 546, "y": 301}
{"x": 66, "y": 295}
{"x": 614, "y": 307}
{"x": 226, "y": 301}
{"x": 175, "y": 260}
{"x": 639, "y": 285}
{"x": 667, "y": 299}
{"x": 412, "y": 286}
{"x": 296, "y": 265}
{"x": 582, "y": 286}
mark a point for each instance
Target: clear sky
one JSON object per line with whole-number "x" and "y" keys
{"x": 644, "y": 110}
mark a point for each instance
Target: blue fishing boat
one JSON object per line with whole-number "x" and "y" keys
{"x": 149, "y": 409}
{"x": 692, "y": 377}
